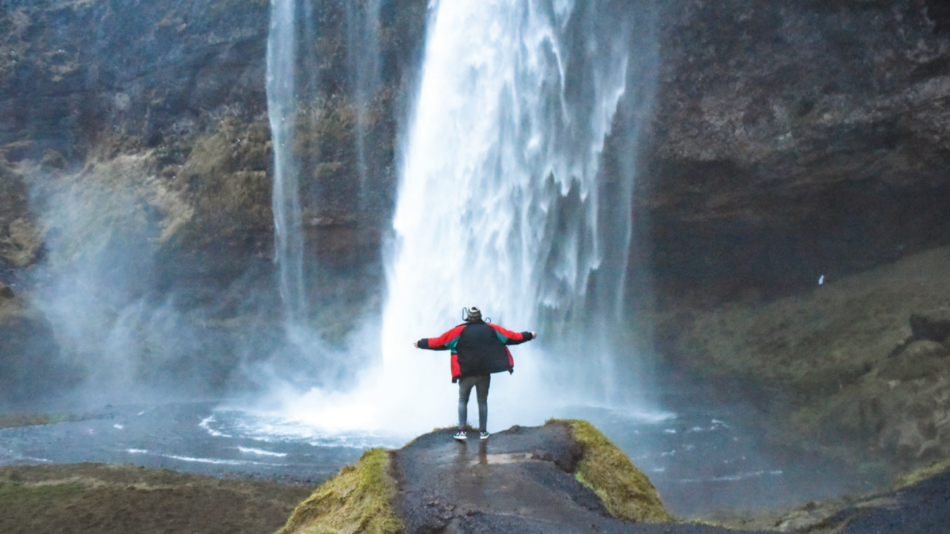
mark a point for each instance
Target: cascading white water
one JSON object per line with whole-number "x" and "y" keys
{"x": 281, "y": 108}
{"x": 499, "y": 203}
{"x": 500, "y": 206}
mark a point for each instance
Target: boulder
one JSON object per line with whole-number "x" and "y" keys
{"x": 933, "y": 325}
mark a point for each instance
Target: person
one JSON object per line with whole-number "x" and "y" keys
{"x": 479, "y": 348}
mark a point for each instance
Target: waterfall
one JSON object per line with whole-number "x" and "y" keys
{"x": 281, "y": 109}
{"x": 362, "y": 35}
{"x": 500, "y": 204}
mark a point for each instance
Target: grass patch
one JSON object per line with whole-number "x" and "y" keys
{"x": 18, "y": 420}
{"x": 356, "y": 500}
{"x": 626, "y": 492}
{"x": 924, "y": 473}
{"x": 17, "y": 494}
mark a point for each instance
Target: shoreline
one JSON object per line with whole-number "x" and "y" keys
{"x": 119, "y": 499}
{"x": 126, "y": 499}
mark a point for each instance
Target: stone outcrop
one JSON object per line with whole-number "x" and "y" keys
{"x": 21, "y": 239}
{"x": 932, "y": 326}
{"x": 520, "y": 480}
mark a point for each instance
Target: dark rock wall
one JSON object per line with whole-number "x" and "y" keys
{"x": 76, "y": 73}
{"x": 793, "y": 140}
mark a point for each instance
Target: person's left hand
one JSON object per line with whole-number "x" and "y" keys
{"x": 415, "y": 344}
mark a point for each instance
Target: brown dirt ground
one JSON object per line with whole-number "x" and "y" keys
{"x": 107, "y": 499}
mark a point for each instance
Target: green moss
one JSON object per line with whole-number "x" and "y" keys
{"x": 356, "y": 500}
{"x": 580, "y": 478}
{"x": 626, "y": 492}
{"x": 924, "y": 473}
{"x": 225, "y": 178}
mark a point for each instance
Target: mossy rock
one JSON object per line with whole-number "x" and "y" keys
{"x": 363, "y": 497}
{"x": 356, "y": 500}
{"x": 626, "y": 492}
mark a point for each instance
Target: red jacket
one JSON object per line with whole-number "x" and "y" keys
{"x": 478, "y": 348}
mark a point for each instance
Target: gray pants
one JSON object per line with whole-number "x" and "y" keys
{"x": 481, "y": 384}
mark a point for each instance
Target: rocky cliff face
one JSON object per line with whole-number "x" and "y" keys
{"x": 183, "y": 83}
{"x": 792, "y": 141}
{"x": 794, "y": 145}
{"x": 136, "y": 163}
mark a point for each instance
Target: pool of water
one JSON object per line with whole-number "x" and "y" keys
{"x": 700, "y": 459}
{"x": 194, "y": 438}
{"x": 705, "y": 459}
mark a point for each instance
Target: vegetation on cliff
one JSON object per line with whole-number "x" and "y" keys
{"x": 626, "y": 492}
{"x": 838, "y": 366}
{"x": 356, "y": 500}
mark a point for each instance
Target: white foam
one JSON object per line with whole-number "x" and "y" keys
{"x": 206, "y": 424}
{"x": 214, "y": 461}
{"x": 261, "y": 452}
{"x": 738, "y": 477}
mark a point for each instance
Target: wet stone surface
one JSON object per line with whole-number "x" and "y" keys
{"x": 513, "y": 482}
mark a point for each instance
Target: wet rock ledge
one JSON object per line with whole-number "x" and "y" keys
{"x": 567, "y": 477}
{"x": 563, "y": 477}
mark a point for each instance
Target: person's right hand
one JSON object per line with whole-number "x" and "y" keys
{"x": 415, "y": 344}
{"x": 534, "y": 335}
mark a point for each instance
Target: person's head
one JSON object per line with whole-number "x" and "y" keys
{"x": 472, "y": 314}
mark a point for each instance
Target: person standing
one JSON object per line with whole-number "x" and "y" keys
{"x": 479, "y": 348}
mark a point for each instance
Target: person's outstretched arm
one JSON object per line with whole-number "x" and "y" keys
{"x": 509, "y": 337}
{"x": 446, "y": 341}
